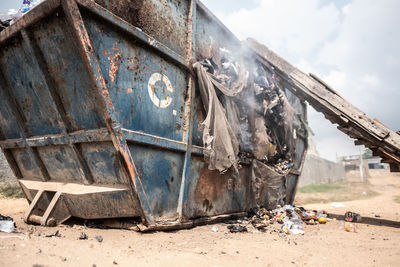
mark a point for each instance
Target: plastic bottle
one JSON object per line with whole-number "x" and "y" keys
{"x": 26, "y": 6}
{"x": 7, "y": 226}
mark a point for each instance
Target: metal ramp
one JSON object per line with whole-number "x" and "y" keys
{"x": 352, "y": 121}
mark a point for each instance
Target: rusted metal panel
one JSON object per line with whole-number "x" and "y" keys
{"x": 165, "y": 21}
{"x": 132, "y": 73}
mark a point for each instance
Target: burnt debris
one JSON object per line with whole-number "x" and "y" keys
{"x": 248, "y": 121}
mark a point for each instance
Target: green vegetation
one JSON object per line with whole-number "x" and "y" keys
{"x": 321, "y": 188}
{"x": 334, "y": 192}
{"x": 11, "y": 190}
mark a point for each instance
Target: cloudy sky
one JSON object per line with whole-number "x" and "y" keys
{"x": 5, "y": 5}
{"x": 352, "y": 44}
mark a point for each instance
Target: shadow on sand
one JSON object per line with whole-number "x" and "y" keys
{"x": 370, "y": 221}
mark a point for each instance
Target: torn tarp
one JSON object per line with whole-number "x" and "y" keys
{"x": 220, "y": 142}
{"x": 268, "y": 186}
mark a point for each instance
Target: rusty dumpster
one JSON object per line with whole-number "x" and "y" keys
{"x": 88, "y": 134}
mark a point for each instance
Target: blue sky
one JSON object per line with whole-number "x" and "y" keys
{"x": 352, "y": 44}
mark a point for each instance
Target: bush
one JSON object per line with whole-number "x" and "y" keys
{"x": 11, "y": 190}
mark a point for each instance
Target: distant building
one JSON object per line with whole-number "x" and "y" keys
{"x": 374, "y": 163}
{"x": 353, "y": 163}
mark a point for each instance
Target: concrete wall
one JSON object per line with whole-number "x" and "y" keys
{"x": 5, "y": 172}
{"x": 318, "y": 170}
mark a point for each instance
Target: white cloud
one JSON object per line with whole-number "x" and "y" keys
{"x": 295, "y": 28}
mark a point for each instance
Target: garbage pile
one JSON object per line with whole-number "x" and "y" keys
{"x": 7, "y": 224}
{"x": 4, "y": 23}
{"x": 290, "y": 220}
{"x": 248, "y": 120}
{"x": 13, "y": 14}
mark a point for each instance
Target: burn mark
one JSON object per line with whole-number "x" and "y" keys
{"x": 211, "y": 187}
{"x": 207, "y": 205}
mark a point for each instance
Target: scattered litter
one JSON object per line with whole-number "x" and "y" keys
{"x": 14, "y": 15}
{"x": 311, "y": 222}
{"x": 386, "y": 239}
{"x": 99, "y": 238}
{"x": 290, "y": 220}
{"x": 83, "y": 236}
{"x": 297, "y": 231}
{"x": 56, "y": 234}
{"x": 350, "y": 227}
{"x": 337, "y": 204}
{"x": 7, "y": 224}
{"x": 237, "y": 228}
{"x": 4, "y": 24}
{"x": 377, "y": 215}
{"x": 352, "y": 217}
{"x": 214, "y": 229}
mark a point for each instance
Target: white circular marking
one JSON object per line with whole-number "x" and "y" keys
{"x": 154, "y": 78}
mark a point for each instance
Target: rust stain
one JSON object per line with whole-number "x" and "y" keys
{"x": 211, "y": 186}
{"x": 114, "y": 66}
{"x": 104, "y": 91}
{"x": 106, "y": 53}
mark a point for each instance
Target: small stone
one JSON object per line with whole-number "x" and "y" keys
{"x": 83, "y": 236}
{"x": 99, "y": 238}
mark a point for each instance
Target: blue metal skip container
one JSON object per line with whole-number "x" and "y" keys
{"x": 85, "y": 129}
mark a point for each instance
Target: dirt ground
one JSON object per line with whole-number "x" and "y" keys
{"x": 375, "y": 244}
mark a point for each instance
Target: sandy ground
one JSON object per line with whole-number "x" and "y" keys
{"x": 375, "y": 244}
